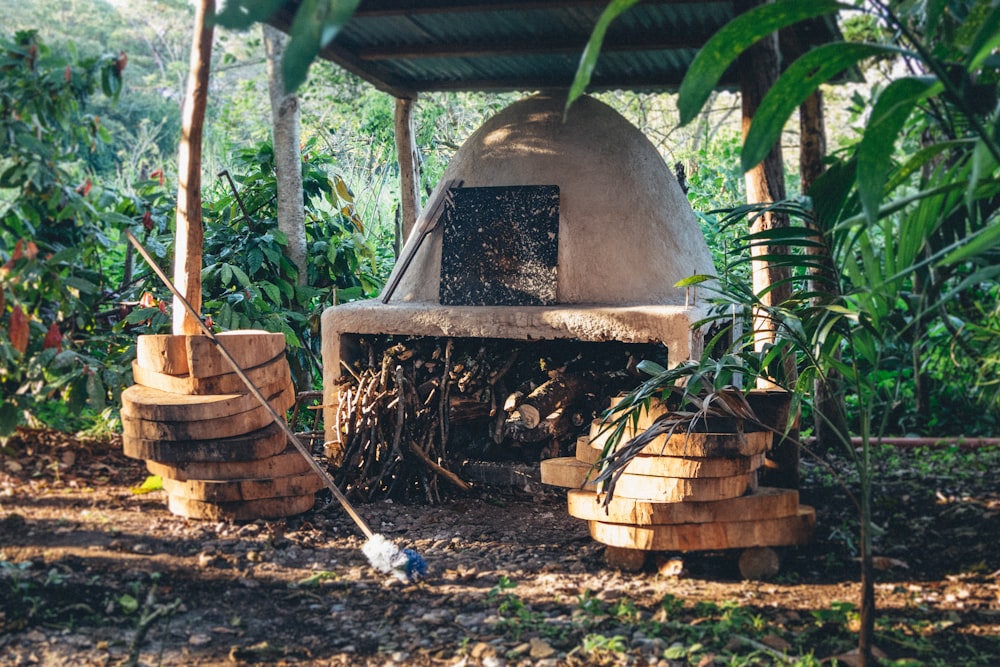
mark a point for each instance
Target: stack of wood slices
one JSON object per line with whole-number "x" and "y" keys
{"x": 683, "y": 491}
{"x": 195, "y": 423}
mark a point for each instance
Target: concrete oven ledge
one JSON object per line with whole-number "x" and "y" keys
{"x": 670, "y": 325}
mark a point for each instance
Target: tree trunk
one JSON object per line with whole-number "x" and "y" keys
{"x": 189, "y": 231}
{"x": 829, "y": 423}
{"x": 758, "y": 70}
{"x": 287, "y": 155}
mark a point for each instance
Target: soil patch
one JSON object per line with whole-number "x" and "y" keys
{"x": 94, "y": 573}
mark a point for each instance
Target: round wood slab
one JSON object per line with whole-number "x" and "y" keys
{"x": 781, "y": 531}
{"x": 207, "y": 429}
{"x": 268, "y": 373}
{"x": 288, "y": 462}
{"x": 238, "y": 490}
{"x": 566, "y": 472}
{"x": 681, "y": 490}
{"x": 688, "y": 467}
{"x": 198, "y": 356}
{"x": 260, "y": 444}
{"x": 762, "y": 503}
{"x": 250, "y": 510}
{"x": 139, "y": 402}
{"x": 700, "y": 445}
{"x": 585, "y": 453}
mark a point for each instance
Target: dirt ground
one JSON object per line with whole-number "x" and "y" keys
{"x": 93, "y": 573}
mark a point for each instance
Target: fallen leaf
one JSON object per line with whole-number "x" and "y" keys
{"x": 776, "y": 642}
{"x": 887, "y": 563}
{"x": 151, "y": 483}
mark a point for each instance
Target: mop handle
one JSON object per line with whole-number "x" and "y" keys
{"x": 427, "y": 224}
{"x": 278, "y": 419}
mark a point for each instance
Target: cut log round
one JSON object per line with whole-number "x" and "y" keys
{"x": 288, "y": 462}
{"x": 690, "y": 467}
{"x": 699, "y": 445}
{"x": 268, "y": 373}
{"x": 762, "y": 503}
{"x": 550, "y": 396}
{"x": 260, "y": 444}
{"x": 207, "y": 429}
{"x": 265, "y": 508}
{"x": 584, "y": 452}
{"x": 197, "y": 355}
{"x": 139, "y": 402}
{"x": 797, "y": 529}
{"x": 680, "y": 490}
{"x": 566, "y": 472}
{"x": 239, "y": 490}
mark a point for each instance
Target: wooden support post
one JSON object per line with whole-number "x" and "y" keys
{"x": 812, "y": 140}
{"x": 758, "y": 70}
{"x": 189, "y": 231}
{"x": 829, "y": 423}
{"x": 409, "y": 168}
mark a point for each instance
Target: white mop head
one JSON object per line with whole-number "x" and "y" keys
{"x": 386, "y": 557}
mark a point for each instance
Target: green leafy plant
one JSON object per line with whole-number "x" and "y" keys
{"x": 247, "y": 279}
{"x": 53, "y": 224}
{"x": 897, "y": 239}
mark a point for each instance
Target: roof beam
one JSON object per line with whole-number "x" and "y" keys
{"x": 568, "y": 45}
{"x": 370, "y": 8}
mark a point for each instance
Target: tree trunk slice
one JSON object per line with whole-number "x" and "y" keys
{"x": 268, "y": 373}
{"x": 566, "y": 472}
{"x": 680, "y": 490}
{"x": 548, "y": 397}
{"x": 241, "y": 490}
{"x": 692, "y": 468}
{"x": 797, "y": 529}
{"x": 197, "y": 356}
{"x": 647, "y": 416}
{"x": 139, "y": 402}
{"x": 288, "y": 462}
{"x": 250, "y": 510}
{"x": 207, "y": 429}
{"x": 585, "y": 453}
{"x": 771, "y": 407}
{"x": 762, "y": 503}
{"x": 696, "y": 445}
{"x": 260, "y": 444}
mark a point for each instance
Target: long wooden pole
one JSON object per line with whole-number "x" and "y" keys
{"x": 765, "y": 183}
{"x": 189, "y": 233}
{"x": 409, "y": 169}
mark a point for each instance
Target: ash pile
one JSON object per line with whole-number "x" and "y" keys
{"x": 414, "y": 411}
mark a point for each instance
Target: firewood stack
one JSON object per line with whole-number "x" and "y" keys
{"x": 412, "y": 410}
{"x": 682, "y": 492}
{"x": 217, "y": 449}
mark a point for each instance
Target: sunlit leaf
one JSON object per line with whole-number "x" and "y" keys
{"x": 315, "y": 25}
{"x": 792, "y": 88}
{"x": 241, "y": 14}
{"x": 588, "y": 60}
{"x": 890, "y": 112}
{"x": 986, "y": 40}
{"x": 725, "y": 46}
{"x": 150, "y": 484}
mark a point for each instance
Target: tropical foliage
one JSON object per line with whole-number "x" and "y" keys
{"x": 887, "y": 246}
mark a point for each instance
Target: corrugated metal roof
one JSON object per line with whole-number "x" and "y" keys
{"x": 407, "y": 46}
